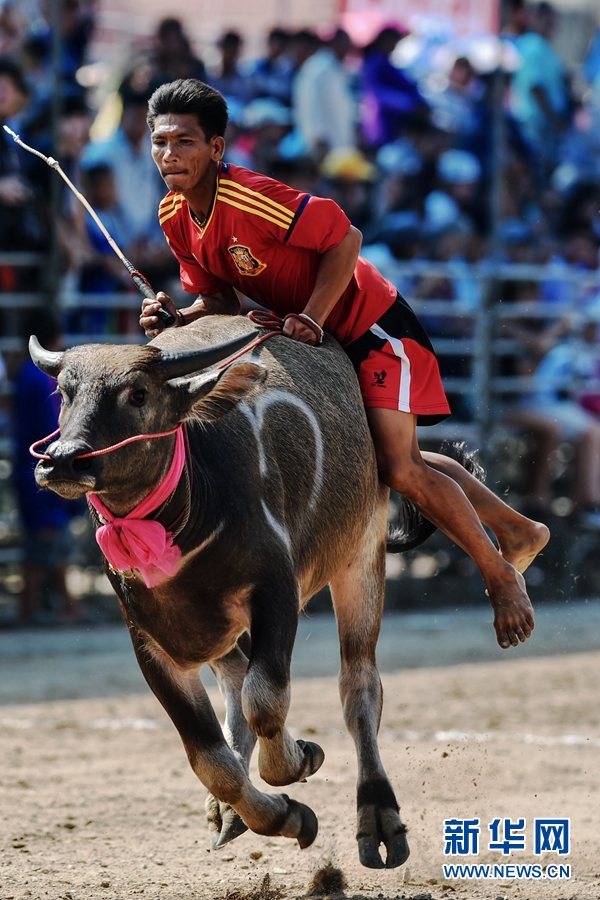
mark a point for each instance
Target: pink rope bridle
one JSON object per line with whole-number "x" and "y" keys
{"x": 133, "y": 541}
{"x": 129, "y": 440}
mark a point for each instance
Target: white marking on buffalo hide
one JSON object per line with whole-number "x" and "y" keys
{"x": 205, "y": 543}
{"x": 256, "y": 416}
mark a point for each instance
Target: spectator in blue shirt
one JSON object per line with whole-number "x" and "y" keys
{"x": 390, "y": 98}
{"x": 44, "y": 515}
{"x": 540, "y": 96}
{"x": 272, "y": 75}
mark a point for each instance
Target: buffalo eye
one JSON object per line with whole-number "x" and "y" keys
{"x": 136, "y": 398}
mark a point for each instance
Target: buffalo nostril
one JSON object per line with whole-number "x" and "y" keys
{"x": 81, "y": 465}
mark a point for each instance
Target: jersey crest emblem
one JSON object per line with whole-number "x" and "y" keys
{"x": 245, "y": 261}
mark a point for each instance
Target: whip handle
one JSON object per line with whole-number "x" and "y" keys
{"x": 145, "y": 289}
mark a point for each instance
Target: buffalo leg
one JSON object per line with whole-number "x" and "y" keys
{"x": 224, "y": 824}
{"x": 358, "y": 601}
{"x": 266, "y": 691}
{"x": 184, "y": 698}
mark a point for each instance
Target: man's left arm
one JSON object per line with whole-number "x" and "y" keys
{"x": 336, "y": 268}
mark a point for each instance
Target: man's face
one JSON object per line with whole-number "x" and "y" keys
{"x": 182, "y": 153}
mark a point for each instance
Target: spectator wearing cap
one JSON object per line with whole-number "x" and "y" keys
{"x": 324, "y": 104}
{"x": 540, "y": 99}
{"x": 228, "y": 77}
{"x": 390, "y": 98}
{"x": 348, "y": 178}
{"x": 272, "y": 75}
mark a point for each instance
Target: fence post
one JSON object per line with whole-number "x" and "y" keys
{"x": 482, "y": 363}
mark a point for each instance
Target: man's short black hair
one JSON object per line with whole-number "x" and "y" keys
{"x": 188, "y": 96}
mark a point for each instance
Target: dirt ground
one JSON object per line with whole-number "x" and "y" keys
{"x": 97, "y": 799}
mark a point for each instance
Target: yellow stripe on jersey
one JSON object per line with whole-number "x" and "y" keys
{"x": 170, "y": 213}
{"x": 167, "y": 203}
{"x": 276, "y": 207}
{"x": 250, "y": 202}
{"x": 250, "y": 209}
{"x": 170, "y": 200}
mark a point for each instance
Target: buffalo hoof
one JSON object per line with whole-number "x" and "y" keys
{"x": 314, "y": 758}
{"x": 397, "y": 850}
{"x": 300, "y": 823}
{"x": 224, "y": 824}
{"x": 379, "y": 823}
{"x": 281, "y": 772}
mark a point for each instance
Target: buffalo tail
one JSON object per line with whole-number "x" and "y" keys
{"x": 411, "y": 527}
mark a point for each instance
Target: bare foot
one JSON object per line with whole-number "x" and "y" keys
{"x": 519, "y": 546}
{"x": 513, "y": 612}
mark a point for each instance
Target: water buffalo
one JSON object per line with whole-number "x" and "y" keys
{"x": 279, "y": 496}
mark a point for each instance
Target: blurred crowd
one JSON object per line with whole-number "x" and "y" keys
{"x": 403, "y": 133}
{"x": 400, "y": 132}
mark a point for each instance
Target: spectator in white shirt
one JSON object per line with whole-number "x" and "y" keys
{"x": 324, "y": 105}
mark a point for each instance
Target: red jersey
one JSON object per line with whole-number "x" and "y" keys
{"x": 266, "y": 239}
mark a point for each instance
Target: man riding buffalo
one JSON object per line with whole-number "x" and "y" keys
{"x": 298, "y": 255}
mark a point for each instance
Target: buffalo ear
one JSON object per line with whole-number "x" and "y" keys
{"x": 212, "y": 395}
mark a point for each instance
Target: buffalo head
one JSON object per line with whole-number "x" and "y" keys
{"x": 112, "y": 392}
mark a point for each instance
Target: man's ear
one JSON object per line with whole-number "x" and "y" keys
{"x": 218, "y": 148}
{"x": 211, "y": 395}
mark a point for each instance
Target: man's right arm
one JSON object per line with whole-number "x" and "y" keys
{"x": 225, "y": 303}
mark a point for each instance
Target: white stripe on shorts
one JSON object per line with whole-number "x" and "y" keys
{"x": 405, "y": 373}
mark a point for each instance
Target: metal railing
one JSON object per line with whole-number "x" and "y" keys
{"x": 485, "y": 345}
{"x": 476, "y": 320}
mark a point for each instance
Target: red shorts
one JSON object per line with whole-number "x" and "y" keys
{"x": 397, "y": 367}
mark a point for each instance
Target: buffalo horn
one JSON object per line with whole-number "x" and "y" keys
{"x": 176, "y": 364}
{"x": 45, "y": 360}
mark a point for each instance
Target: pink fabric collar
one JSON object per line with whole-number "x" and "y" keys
{"x": 135, "y": 542}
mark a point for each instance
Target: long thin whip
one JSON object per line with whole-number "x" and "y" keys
{"x": 140, "y": 282}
